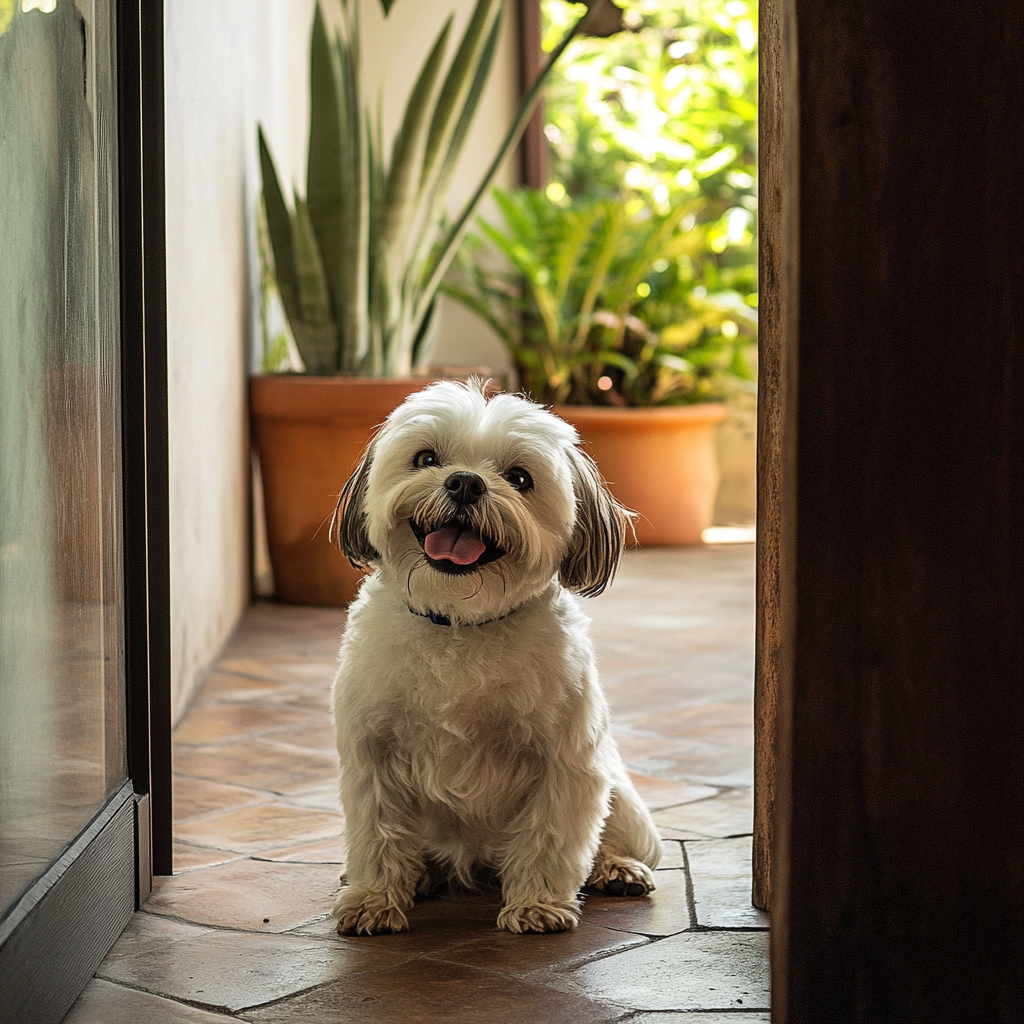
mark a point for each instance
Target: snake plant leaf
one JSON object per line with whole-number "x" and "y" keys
{"x": 445, "y": 253}
{"x": 403, "y": 180}
{"x": 324, "y": 183}
{"x": 471, "y": 101}
{"x": 435, "y": 186}
{"x": 455, "y": 82}
{"x": 280, "y": 230}
{"x": 319, "y": 343}
{"x": 352, "y": 311}
{"x": 387, "y": 5}
{"x": 422, "y": 340}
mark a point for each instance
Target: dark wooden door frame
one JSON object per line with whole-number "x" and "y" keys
{"x": 890, "y": 672}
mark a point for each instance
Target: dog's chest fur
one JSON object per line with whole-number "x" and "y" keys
{"x": 472, "y": 713}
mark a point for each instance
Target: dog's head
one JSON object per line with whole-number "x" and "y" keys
{"x": 471, "y": 505}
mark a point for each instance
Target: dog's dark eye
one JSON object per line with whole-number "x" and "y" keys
{"x": 427, "y": 457}
{"x": 519, "y": 478}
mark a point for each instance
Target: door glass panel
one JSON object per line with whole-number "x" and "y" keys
{"x": 62, "y": 735}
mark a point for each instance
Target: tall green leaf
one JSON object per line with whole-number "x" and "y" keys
{"x": 318, "y": 342}
{"x": 403, "y": 179}
{"x": 441, "y": 260}
{"x": 355, "y": 199}
{"x": 324, "y": 183}
{"x": 280, "y": 230}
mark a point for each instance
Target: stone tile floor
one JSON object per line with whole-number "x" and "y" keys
{"x": 241, "y": 931}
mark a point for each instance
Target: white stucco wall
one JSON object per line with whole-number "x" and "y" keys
{"x": 228, "y": 65}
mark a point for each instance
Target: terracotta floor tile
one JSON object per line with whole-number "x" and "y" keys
{"x": 315, "y": 733}
{"x": 261, "y": 827}
{"x": 191, "y": 858}
{"x": 665, "y": 912}
{"x": 327, "y": 851}
{"x": 658, "y": 793}
{"x": 219, "y": 722}
{"x": 428, "y": 991}
{"x": 674, "y": 639}
{"x": 462, "y": 928}
{"x": 227, "y": 971}
{"x": 258, "y": 764}
{"x": 192, "y": 797}
{"x": 434, "y": 928}
{"x": 534, "y": 955}
{"x": 103, "y": 1002}
{"x": 729, "y": 722}
{"x": 671, "y": 855}
{"x": 229, "y": 687}
{"x": 691, "y": 971}
{"x": 731, "y": 814}
{"x": 249, "y": 895}
{"x": 324, "y": 794}
{"x": 721, "y": 876}
{"x": 320, "y": 670}
{"x": 146, "y": 932}
{"x": 699, "y": 762}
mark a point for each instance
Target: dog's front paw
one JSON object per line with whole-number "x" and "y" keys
{"x": 621, "y": 876}
{"x": 359, "y": 912}
{"x": 539, "y": 917}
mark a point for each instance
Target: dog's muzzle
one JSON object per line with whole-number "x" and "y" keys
{"x": 455, "y": 547}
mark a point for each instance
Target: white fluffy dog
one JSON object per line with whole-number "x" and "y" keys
{"x": 472, "y": 731}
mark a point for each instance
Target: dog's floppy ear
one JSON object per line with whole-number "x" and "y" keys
{"x": 349, "y": 519}
{"x": 600, "y": 532}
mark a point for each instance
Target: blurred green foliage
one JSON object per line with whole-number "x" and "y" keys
{"x": 634, "y": 274}
{"x": 665, "y": 111}
{"x": 569, "y": 308}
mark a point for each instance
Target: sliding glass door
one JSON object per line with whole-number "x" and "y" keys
{"x": 62, "y": 721}
{"x": 69, "y": 851}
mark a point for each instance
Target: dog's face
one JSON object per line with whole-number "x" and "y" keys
{"x": 470, "y": 506}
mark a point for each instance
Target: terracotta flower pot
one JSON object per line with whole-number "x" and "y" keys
{"x": 659, "y": 462}
{"x": 310, "y": 433}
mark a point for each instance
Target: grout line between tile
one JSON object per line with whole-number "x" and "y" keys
{"x": 691, "y": 903}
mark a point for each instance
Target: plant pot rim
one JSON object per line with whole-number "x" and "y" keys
{"x": 336, "y": 399}
{"x": 597, "y": 417}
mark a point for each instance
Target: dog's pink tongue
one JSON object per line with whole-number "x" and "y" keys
{"x": 463, "y": 547}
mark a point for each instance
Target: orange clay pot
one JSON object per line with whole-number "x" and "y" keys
{"x": 310, "y": 433}
{"x": 659, "y": 462}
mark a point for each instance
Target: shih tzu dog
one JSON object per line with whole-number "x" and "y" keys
{"x": 472, "y": 730}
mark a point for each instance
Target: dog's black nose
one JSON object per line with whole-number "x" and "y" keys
{"x": 465, "y": 488}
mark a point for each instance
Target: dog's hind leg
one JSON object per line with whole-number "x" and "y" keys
{"x": 629, "y": 846}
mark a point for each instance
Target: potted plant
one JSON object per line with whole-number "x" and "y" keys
{"x": 600, "y": 324}
{"x": 357, "y": 262}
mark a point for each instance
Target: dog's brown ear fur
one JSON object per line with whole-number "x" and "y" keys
{"x": 595, "y": 548}
{"x": 349, "y": 519}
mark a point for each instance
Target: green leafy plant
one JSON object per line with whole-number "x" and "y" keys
{"x": 666, "y": 112}
{"x": 358, "y": 260}
{"x": 571, "y": 304}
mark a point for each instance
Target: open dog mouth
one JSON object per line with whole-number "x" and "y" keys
{"x": 455, "y": 547}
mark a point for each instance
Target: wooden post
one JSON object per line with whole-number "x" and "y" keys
{"x": 898, "y": 876}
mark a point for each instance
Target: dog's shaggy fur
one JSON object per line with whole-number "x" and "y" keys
{"x": 472, "y": 731}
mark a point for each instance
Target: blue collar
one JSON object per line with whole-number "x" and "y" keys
{"x": 442, "y": 620}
